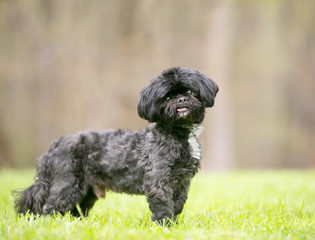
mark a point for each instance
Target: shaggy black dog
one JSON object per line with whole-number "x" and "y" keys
{"x": 158, "y": 161}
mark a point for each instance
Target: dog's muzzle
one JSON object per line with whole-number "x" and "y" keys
{"x": 181, "y": 107}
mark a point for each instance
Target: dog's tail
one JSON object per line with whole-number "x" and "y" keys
{"x": 33, "y": 198}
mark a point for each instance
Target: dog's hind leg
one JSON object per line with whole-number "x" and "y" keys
{"x": 94, "y": 193}
{"x": 64, "y": 194}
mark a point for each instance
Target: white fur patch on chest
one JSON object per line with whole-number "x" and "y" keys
{"x": 195, "y": 148}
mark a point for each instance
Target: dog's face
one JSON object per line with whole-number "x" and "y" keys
{"x": 177, "y": 97}
{"x": 181, "y": 106}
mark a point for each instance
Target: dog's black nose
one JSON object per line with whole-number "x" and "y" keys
{"x": 182, "y": 99}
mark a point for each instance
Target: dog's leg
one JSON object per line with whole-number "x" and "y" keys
{"x": 179, "y": 198}
{"x": 64, "y": 194}
{"x": 94, "y": 193}
{"x": 88, "y": 202}
{"x": 161, "y": 204}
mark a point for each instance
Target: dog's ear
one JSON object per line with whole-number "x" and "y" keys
{"x": 147, "y": 106}
{"x": 207, "y": 89}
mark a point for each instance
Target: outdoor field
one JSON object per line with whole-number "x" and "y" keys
{"x": 234, "y": 205}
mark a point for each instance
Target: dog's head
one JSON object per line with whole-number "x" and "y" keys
{"x": 178, "y": 97}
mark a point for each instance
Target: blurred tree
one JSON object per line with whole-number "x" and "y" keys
{"x": 218, "y": 58}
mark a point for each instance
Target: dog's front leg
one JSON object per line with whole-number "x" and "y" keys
{"x": 161, "y": 203}
{"x": 180, "y": 197}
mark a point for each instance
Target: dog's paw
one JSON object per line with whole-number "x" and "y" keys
{"x": 165, "y": 221}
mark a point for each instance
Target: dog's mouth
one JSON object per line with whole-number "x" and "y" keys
{"x": 182, "y": 112}
{"x": 182, "y": 109}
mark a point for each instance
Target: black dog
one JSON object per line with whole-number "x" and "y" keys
{"x": 158, "y": 161}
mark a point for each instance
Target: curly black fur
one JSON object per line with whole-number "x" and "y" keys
{"x": 158, "y": 161}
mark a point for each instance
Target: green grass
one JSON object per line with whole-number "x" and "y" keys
{"x": 237, "y": 205}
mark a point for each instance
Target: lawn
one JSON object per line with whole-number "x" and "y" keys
{"x": 235, "y": 205}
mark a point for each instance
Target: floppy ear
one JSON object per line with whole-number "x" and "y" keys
{"x": 147, "y": 104}
{"x": 207, "y": 89}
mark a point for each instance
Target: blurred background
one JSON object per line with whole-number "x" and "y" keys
{"x": 68, "y": 66}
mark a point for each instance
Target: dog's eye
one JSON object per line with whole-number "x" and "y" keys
{"x": 189, "y": 92}
{"x": 167, "y": 99}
